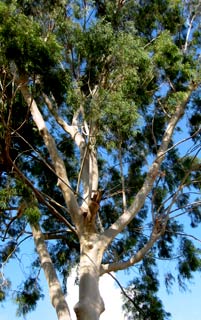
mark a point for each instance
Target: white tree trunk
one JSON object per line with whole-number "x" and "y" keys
{"x": 90, "y": 305}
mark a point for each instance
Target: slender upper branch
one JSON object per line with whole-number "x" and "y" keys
{"x": 40, "y": 197}
{"x": 93, "y": 170}
{"x": 71, "y": 129}
{"x": 88, "y": 169}
{"x": 140, "y": 198}
{"x": 124, "y": 202}
{"x": 192, "y": 16}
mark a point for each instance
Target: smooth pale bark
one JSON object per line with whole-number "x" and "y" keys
{"x": 122, "y": 265}
{"x": 140, "y": 198}
{"x": 90, "y": 305}
{"x": 58, "y": 163}
{"x": 56, "y": 295}
{"x": 88, "y": 159}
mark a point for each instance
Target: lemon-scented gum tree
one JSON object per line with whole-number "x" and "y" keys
{"x": 92, "y": 95}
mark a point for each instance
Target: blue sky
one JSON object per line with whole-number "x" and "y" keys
{"x": 182, "y": 305}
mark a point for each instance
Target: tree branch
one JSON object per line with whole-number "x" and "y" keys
{"x": 75, "y": 134}
{"x": 122, "y": 265}
{"x": 190, "y": 25}
{"x": 124, "y": 202}
{"x": 140, "y": 198}
{"x": 56, "y": 294}
{"x": 70, "y": 129}
{"x": 49, "y": 141}
{"x": 57, "y": 235}
{"x": 140, "y": 310}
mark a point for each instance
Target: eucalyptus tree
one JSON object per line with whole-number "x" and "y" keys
{"x": 97, "y": 100}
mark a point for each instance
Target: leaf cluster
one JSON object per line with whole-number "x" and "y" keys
{"x": 22, "y": 42}
{"x": 28, "y": 296}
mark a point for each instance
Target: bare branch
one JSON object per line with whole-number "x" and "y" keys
{"x": 140, "y": 310}
{"x": 80, "y": 174}
{"x": 89, "y": 167}
{"x": 194, "y": 10}
{"x": 86, "y": 154}
{"x": 39, "y": 155}
{"x": 188, "y": 33}
{"x": 61, "y": 235}
{"x": 188, "y": 207}
{"x": 186, "y": 235}
{"x": 184, "y": 140}
{"x": 20, "y": 212}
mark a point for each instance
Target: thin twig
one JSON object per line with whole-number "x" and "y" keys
{"x": 40, "y": 197}
{"x": 185, "y": 235}
{"x": 126, "y": 295}
{"x": 124, "y": 204}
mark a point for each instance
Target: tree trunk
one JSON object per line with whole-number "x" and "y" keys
{"x": 90, "y": 305}
{"x": 56, "y": 295}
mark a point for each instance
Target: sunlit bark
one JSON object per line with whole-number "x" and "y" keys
{"x": 56, "y": 295}
{"x": 90, "y": 304}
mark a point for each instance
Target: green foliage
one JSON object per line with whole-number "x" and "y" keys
{"x": 22, "y": 42}
{"x": 119, "y": 67}
{"x": 28, "y": 296}
{"x": 190, "y": 260}
{"x": 33, "y": 214}
{"x": 167, "y": 53}
{"x": 2, "y": 295}
{"x": 124, "y": 70}
{"x": 5, "y": 195}
{"x": 4, "y": 288}
{"x": 175, "y": 99}
{"x": 7, "y": 251}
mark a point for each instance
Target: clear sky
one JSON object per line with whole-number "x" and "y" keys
{"x": 184, "y": 305}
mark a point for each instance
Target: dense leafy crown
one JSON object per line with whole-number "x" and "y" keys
{"x": 123, "y": 70}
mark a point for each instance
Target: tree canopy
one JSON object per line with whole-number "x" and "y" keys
{"x": 100, "y": 147}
